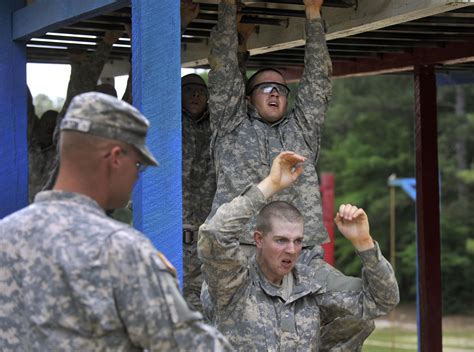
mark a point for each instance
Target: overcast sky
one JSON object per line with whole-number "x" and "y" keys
{"x": 52, "y": 80}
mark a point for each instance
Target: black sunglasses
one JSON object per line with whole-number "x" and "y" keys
{"x": 268, "y": 87}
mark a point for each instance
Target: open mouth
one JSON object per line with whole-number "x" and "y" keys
{"x": 286, "y": 263}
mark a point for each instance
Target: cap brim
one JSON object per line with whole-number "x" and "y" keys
{"x": 148, "y": 157}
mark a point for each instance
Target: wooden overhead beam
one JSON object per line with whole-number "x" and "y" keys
{"x": 369, "y": 15}
{"x": 453, "y": 53}
{"x": 48, "y": 15}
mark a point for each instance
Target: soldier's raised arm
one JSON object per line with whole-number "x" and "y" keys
{"x": 227, "y": 102}
{"x": 224, "y": 267}
{"x": 314, "y": 89}
{"x": 379, "y": 292}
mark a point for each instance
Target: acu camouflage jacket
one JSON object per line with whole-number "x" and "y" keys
{"x": 254, "y": 315}
{"x": 244, "y": 145}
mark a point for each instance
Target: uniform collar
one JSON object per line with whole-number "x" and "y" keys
{"x": 70, "y": 197}
{"x": 306, "y": 282}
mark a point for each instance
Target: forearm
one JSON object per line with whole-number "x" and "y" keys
{"x": 224, "y": 40}
{"x": 312, "y": 12}
{"x": 97, "y": 60}
{"x": 227, "y": 104}
{"x": 379, "y": 283}
{"x": 314, "y": 90}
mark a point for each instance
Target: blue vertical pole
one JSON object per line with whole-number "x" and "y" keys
{"x": 157, "y": 199}
{"x": 13, "y": 120}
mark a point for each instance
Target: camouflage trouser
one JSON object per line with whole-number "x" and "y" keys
{"x": 192, "y": 275}
{"x": 344, "y": 334}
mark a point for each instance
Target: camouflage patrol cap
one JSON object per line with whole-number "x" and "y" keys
{"x": 105, "y": 116}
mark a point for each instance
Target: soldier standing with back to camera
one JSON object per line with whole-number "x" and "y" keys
{"x": 73, "y": 279}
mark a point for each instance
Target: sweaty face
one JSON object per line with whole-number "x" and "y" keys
{"x": 271, "y": 106}
{"x": 278, "y": 250}
{"x": 194, "y": 99}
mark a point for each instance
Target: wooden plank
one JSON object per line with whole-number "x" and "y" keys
{"x": 13, "y": 120}
{"x": 427, "y": 212}
{"x": 451, "y": 54}
{"x": 157, "y": 198}
{"x": 369, "y": 15}
{"x": 47, "y": 15}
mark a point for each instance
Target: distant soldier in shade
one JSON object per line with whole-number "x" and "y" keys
{"x": 199, "y": 180}
{"x": 41, "y": 152}
{"x": 72, "y": 279}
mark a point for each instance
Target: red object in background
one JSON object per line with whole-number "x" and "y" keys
{"x": 327, "y": 196}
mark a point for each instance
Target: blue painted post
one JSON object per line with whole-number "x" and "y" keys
{"x": 157, "y": 199}
{"x": 13, "y": 121}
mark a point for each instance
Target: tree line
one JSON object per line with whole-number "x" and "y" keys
{"x": 369, "y": 135}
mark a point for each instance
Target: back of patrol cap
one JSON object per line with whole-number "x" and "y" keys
{"x": 105, "y": 116}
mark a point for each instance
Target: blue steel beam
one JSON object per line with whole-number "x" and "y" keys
{"x": 13, "y": 120}
{"x": 47, "y": 15}
{"x": 156, "y": 71}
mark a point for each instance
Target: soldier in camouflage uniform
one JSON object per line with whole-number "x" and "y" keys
{"x": 73, "y": 279}
{"x": 199, "y": 181}
{"x": 198, "y": 176}
{"x": 274, "y": 303}
{"x": 41, "y": 152}
{"x": 251, "y": 126}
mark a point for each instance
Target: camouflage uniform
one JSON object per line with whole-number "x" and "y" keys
{"x": 72, "y": 279}
{"x": 256, "y": 315}
{"x": 244, "y": 145}
{"x": 199, "y": 186}
{"x": 75, "y": 280}
{"x": 40, "y": 161}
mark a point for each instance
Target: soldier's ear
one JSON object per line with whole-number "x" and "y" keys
{"x": 258, "y": 238}
{"x": 113, "y": 157}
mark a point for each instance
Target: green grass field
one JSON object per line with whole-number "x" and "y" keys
{"x": 400, "y": 340}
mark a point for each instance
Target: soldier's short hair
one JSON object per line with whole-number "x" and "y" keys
{"x": 277, "y": 210}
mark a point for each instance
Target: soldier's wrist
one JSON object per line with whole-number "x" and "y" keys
{"x": 363, "y": 243}
{"x": 312, "y": 12}
{"x": 267, "y": 187}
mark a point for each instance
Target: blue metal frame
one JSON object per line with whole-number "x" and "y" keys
{"x": 13, "y": 120}
{"x": 157, "y": 198}
{"x": 44, "y": 16}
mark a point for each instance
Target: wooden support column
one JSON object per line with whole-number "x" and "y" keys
{"x": 327, "y": 194}
{"x": 427, "y": 212}
{"x": 157, "y": 202}
{"x": 13, "y": 120}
